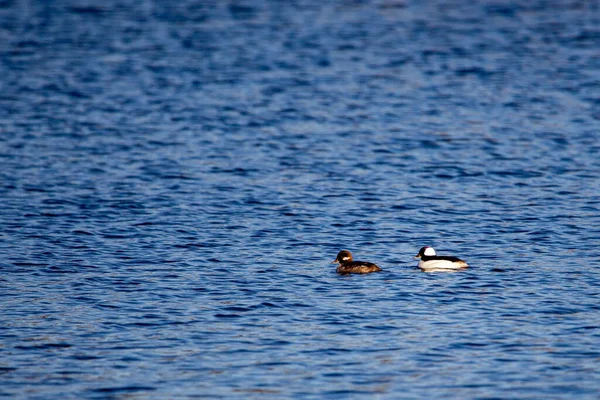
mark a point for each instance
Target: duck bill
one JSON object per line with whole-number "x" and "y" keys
{"x": 335, "y": 261}
{"x": 417, "y": 257}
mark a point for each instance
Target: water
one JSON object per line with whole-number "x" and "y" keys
{"x": 177, "y": 176}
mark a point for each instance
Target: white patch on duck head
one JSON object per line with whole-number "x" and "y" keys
{"x": 344, "y": 256}
{"x": 429, "y": 251}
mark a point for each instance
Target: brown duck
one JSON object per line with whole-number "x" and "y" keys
{"x": 347, "y": 266}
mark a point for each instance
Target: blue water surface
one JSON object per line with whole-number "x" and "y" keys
{"x": 176, "y": 177}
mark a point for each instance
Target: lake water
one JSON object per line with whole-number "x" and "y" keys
{"x": 176, "y": 177}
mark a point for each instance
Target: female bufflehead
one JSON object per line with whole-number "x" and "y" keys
{"x": 347, "y": 266}
{"x": 429, "y": 261}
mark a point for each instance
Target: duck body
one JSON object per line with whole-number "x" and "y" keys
{"x": 348, "y": 266}
{"x": 430, "y": 261}
{"x": 357, "y": 267}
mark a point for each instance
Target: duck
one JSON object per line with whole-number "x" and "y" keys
{"x": 347, "y": 266}
{"x": 429, "y": 261}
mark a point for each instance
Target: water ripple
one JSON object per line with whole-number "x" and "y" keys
{"x": 177, "y": 177}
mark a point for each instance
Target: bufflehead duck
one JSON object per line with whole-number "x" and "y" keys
{"x": 347, "y": 266}
{"x": 430, "y": 261}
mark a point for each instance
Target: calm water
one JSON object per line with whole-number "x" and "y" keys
{"x": 176, "y": 177}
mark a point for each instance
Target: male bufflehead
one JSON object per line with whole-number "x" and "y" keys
{"x": 430, "y": 261}
{"x": 347, "y": 266}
